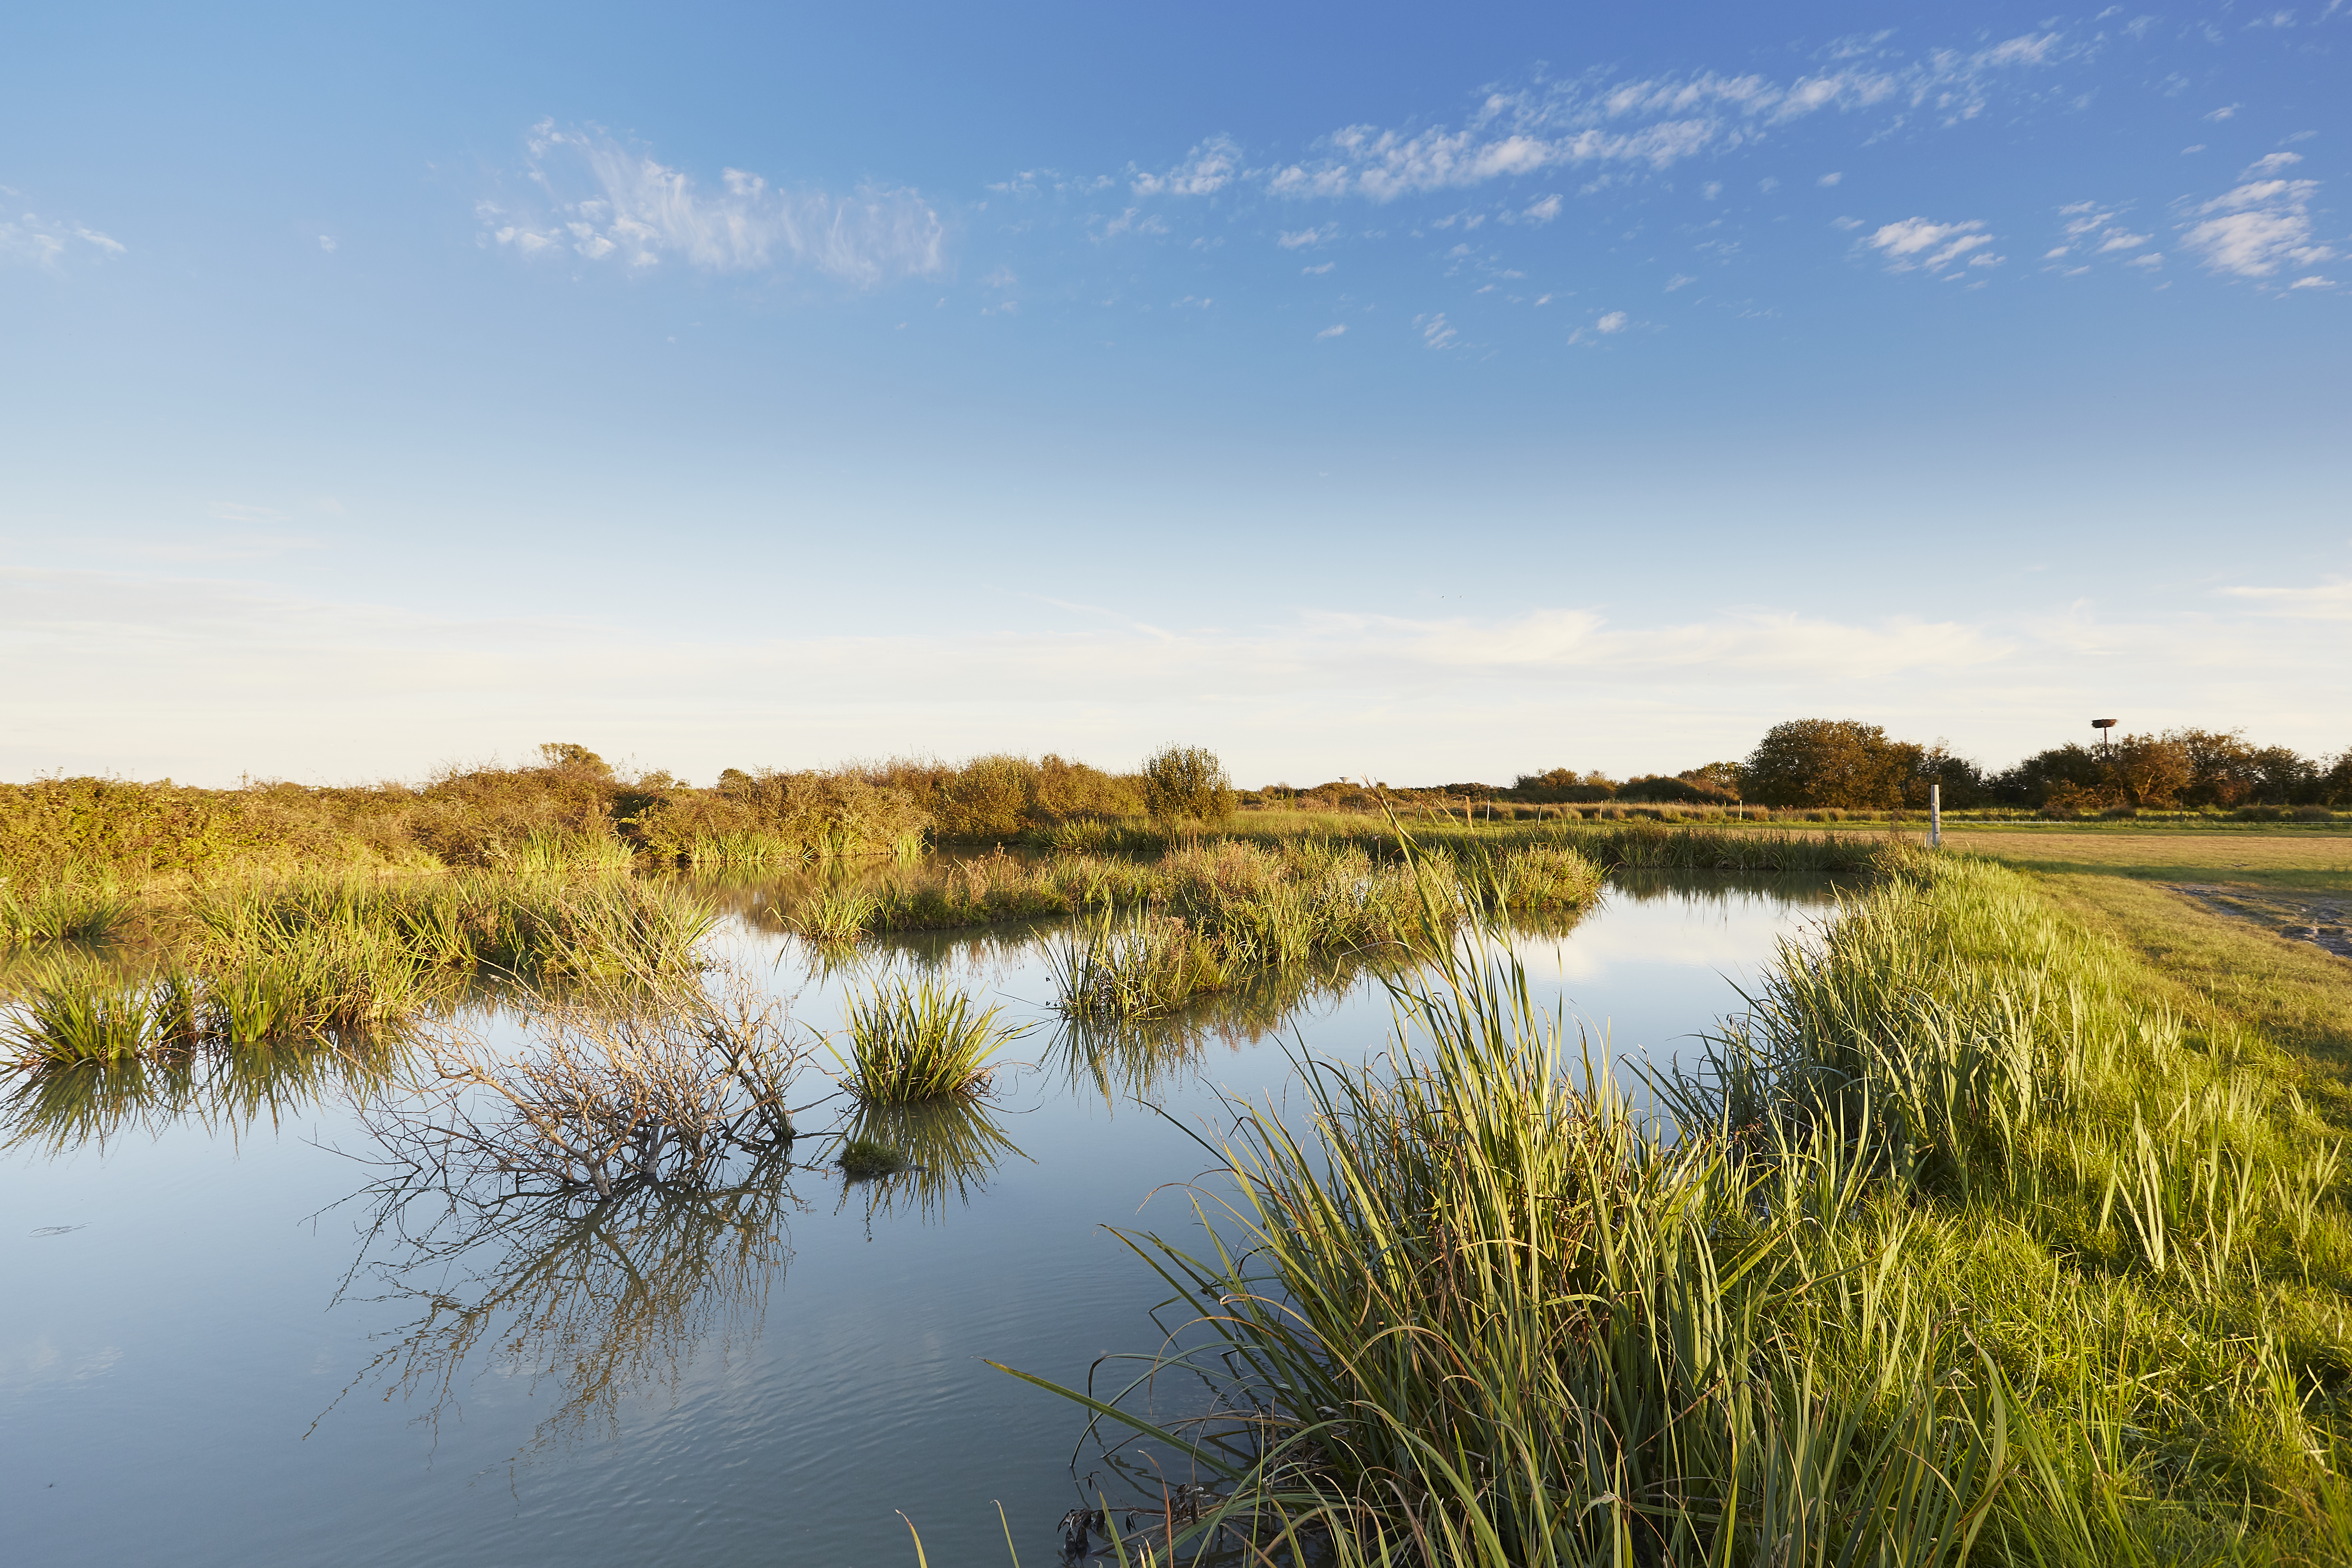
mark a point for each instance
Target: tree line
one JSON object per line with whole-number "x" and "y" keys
{"x": 1845, "y": 763}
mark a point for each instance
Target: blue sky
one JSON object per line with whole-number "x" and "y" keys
{"x": 1357, "y": 390}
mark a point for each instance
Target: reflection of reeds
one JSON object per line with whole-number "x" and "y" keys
{"x": 923, "y": 1040}
{"x": 226, "y": 1091}
{"x": 940, "y": 1152}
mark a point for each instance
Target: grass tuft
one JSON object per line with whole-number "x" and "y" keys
{"x": 913, "y": 1042}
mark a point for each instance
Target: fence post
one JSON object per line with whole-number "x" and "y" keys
{"x": 1935, "y": 816}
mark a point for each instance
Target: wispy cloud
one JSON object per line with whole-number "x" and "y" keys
{"x": 52, "y": 244}
{"x": 1207, "y": 169}
{"x": 1649, "y": 123}
{"x": 2256, "y": 230}
{"x": 611, "y": 203}
{"x": 1916, "y": 243}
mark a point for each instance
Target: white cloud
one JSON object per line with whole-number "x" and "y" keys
{"x": 2314, "y": 281}
{"x": 2255, "y": 229}
{"x": 1317, "y": 271}
{"x": 1542, "y": 211}
{"x": 326, "y": 242}
{"x": 1829, "y": 179}
{"x": 1679, "y": 280}
{"x": 1133, "y": 220}
{"x": 1916, "y": 242}
{"x": 2330, "y": 601}
{"x": 2153, "y": 258}
{"x": 2271, "y": 163}
{"x": 1337, "y": 332}
{"x": 1435, "y": 332}
{"x": 2227, "y": 111}
{"x": 1307, "y": 237}
{"x": 1614, "y": 321}
{"x": 53, "y": 243}
{"x": 1207, "y": 169}
{"x": 1645, "y": 124}
{"x": 2121, "y": 240}
{"x": 637, "y": 212}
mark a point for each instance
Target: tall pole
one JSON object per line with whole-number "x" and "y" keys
{"x": 1935, "y": 816}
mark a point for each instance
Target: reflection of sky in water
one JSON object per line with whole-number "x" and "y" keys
{"x": 192, "y": 1336}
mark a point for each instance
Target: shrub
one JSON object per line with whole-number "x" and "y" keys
{"x": 1182, "y": 783}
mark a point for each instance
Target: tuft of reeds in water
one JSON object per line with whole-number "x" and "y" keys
{"x": 835, "y": 914}
{"x": 74, "y": 1011}
{"x": 59, "y": 912}
{"x": 914, "y": 1042}
{"x": 1117, "y": 971}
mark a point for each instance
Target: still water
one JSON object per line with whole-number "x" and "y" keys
{"x": 213, "y": 1350}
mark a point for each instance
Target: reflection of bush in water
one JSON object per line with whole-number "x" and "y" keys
{"x": 613, "y": 1299}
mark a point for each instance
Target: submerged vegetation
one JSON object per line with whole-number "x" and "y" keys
{"x": 1963, "y": 1248}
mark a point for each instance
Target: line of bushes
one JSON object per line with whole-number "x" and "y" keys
{"x": 572, "y": 811}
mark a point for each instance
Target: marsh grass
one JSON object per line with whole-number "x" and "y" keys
{"x": 75, "y": 1010}
{"x": 914, "y": 1042}
{"x": 1959, "y": 1248}
{"x": 835, "y": 914}
{"x": 1117, "y": 971}
{"x": 60, "y": 911}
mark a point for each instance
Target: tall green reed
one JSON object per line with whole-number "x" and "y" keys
{"x": 913, "y": 1042}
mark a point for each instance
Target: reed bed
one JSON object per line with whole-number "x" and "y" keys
{"x": 918, "y": 1042}
{"x": 1959, "y": 1248}
{"x": 329, "y": 958}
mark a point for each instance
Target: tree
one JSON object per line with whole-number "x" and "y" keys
{"x": 570, "y": 756}
{"x": 1826, "y": 762}
{"x": 2072, "y": 766}
{"x": 1183, "y": 782}
{"x": 2149, "y": 770}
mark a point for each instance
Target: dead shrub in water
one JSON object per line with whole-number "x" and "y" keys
{"x": 599, "y": 1098}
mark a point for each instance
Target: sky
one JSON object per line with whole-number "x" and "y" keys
{"x": 1418, "y": 393}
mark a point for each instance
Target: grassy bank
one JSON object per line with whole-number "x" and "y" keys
{"x": 1980, "y": 1241}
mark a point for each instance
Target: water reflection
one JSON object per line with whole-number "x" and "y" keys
{"x": 950, "y": 1149}
{"x": 225, "y": 1092}
{"x": 612, "y": 1300}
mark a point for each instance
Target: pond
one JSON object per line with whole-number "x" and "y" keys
{"x": 213, "y": 1350}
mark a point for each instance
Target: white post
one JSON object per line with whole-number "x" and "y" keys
{"x": 1935, "y": 816}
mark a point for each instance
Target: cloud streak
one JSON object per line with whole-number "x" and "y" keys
{"x": 613, "y": 204}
